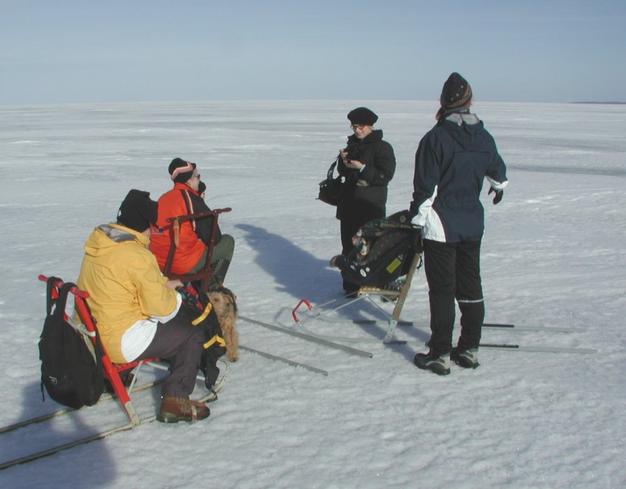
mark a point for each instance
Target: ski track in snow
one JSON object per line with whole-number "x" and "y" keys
{"x": 553, "y": 255}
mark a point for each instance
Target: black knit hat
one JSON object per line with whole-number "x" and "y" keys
{"x": 181, "y": 170}
{"x": 456, "y": 92}
{"x": 137, "y": 211}
{"x": 362, "y": 115}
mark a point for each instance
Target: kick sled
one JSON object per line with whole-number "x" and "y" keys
{"x": 114, "y": 373}
{"x": 121, "y": 377}
{"x": 387, "y": 253}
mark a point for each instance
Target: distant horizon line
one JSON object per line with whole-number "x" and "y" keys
{"x": 600, "y": 102}
{"x": 356, "y": 100}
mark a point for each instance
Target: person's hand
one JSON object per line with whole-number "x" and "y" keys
{"x": 354, "y": 164}
{"x": 344, "y": 156}
{"x": 189, "y": 295}
{"x": 173, "y": 284}
{"x": 498, "y": 197}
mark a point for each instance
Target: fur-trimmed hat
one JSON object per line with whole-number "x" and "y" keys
{"x": 137, "y": 211}
{"x": 362, "y": 115}
{"x": 181, "y": 170}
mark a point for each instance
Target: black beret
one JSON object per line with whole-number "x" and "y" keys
{"x": 181, "y": 170}
{"x": 137, "y": 211}
{"x": 362, "y": 115}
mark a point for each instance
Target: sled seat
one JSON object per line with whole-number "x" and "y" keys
{"x": 398, "y": 295}
{"x": 112, "y": 371}
{"x": 367, "y": 293}
{"x": 173, "y": 227}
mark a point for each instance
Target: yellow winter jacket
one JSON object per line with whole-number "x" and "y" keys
{"x": 124, "y": 283}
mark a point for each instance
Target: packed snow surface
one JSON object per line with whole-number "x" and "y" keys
{"x": 553, "y": 257}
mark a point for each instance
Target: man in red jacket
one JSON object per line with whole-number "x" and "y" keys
{"x": 194, "y": 236}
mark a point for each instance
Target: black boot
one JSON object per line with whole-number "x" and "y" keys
{"x": 439, "y": 364}
{"x": 465, "y": 358}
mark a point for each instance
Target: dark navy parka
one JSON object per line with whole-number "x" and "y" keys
{"x": 451, "y": 162}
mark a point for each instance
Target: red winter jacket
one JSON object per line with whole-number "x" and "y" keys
{"x": 190, "y": 247}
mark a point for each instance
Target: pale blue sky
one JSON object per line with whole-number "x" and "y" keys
{"x": 102, "y": 51}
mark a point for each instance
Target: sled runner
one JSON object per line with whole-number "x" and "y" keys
{"x": 112, "y": 372}
{"x": 173, "y": 229}
{"x": 386, "y": 254}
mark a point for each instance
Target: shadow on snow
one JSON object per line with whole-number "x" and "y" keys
{"x": 304, "y": 276}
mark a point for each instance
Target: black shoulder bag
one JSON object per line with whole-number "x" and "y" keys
{"x": 331, "y": 188}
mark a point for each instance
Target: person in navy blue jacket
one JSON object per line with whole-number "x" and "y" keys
{"x": 451, "y": 163}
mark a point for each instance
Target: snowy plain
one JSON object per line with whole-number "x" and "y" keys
{"x": 553, "y": 256}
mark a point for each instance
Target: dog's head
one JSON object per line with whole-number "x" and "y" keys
{"x": 225, "y": 305}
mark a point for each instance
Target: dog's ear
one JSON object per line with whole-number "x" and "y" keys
{"x": 225, "y": 292}
{"x": 221, "y": 303}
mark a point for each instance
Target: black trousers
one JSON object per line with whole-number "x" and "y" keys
{"x": 453, "y": 272}
{"x": 179, "y": 343}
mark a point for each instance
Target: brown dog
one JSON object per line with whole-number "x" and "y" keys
{"x": 225, "y": 305}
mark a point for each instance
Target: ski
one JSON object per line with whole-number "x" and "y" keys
{"x": 309, "y": 337}
{"x": 538, "y": 349}
{"x": 74, "y": 443}
{"x": 293, "y": 363}
{"x": 554, "y": 329}
{"x": 375, "y": 321}
{"x": 60, "y": 412}
{"x": 209, "y": 397}
{"x": 107, "y": 396}
{"x": 506, "y": 346}
{"x": 509, "y": 327}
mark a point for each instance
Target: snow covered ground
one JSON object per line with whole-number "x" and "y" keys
{"x": 553, "y": 256}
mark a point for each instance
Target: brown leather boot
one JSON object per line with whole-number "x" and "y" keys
{"x": 175, "y": 409}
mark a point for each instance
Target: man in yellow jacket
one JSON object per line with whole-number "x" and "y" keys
{"x": 137, "y": 309}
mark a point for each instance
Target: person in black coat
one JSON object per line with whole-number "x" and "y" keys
{"x": 367, "y": 163}
{"x": 451, "y": 162}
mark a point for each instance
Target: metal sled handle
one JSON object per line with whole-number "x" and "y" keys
{"x": 293, "y": 312}
{"x": 74, "y": 290}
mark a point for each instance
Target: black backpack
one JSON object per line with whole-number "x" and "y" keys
{"x": 68, "y": 370}
{"x": 383, "y": 251}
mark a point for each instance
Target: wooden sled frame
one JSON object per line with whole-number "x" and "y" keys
{"x": 111, "y": 370}
{"x": 367, "y": 293}
{"x": 173, "y": 227}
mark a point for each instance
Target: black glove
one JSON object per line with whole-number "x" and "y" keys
{"x": 419, "y": 238}
{"x": 498, "y": 197}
